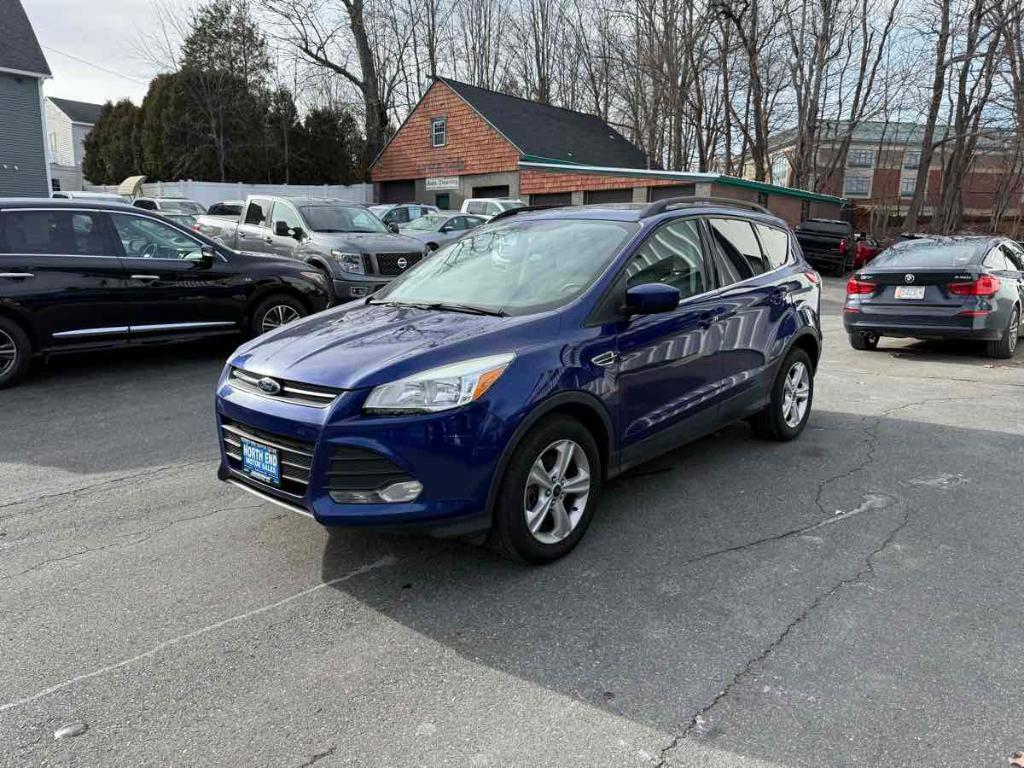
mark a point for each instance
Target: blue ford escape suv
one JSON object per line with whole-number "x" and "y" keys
{"x": 500, "y": 382}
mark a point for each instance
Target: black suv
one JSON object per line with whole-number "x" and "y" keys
{"x": 76, "y": 275}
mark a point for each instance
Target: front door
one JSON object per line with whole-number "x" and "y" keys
{"x": 284, "y": 245}
{"x": 669, "y": 372}
{"x": 170, "y": 290}
{"x": 61, "y": 267}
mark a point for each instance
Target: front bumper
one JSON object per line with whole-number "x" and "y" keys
{"x": 356, "y": 288}
{"x": 453, "y": 455}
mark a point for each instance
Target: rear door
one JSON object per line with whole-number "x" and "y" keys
{"x": 254, "y": 227}
{"x": 757, "y": 296}
{"x": 669, "y": 370}
{"x": 169, "y": 291}
{"x": 60, "y": 267}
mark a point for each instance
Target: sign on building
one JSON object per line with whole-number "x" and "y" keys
{"x": 436, "y": 183}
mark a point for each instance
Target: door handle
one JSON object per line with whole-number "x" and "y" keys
{"x": 242, "y": 236}
{"x": 16, "y": 275}
{"x": 146, "y": 278}
{"x": 268, "y": 240}
{"x": 605, "y": 359}
{"x": 710, "y": 318}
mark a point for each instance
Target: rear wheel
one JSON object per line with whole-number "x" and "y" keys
{"x": 15, "y": 352}
{"x": 549, "y": 492}
{"x": 789, "y": 406}
{"x": 275, "y": 311}
{"x": 1005, "y": 346}
{"x": 862, "y": 340}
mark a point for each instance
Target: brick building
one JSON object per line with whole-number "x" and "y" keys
{"x": 462, "y": 141}
{"x": 879, "y": 174}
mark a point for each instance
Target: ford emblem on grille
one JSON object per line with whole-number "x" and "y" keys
{"x": 268, "y": 385}
{"x": 909, "y": 278}
{"x": 403, "y": 263}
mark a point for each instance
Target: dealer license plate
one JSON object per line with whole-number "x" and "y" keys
{"x": 909, "y": 291}
{"x": 261, "y": 462}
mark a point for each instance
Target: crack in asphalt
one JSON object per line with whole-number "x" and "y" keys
{"x": 865, "y": 571}
{"x": 317, "y": 757}
{"x": 85, "y": 489}
{"x": 144, "y": 535}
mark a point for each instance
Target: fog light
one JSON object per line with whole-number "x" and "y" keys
{"x": 358, "y": 291}
{"x": 400, "y": 492}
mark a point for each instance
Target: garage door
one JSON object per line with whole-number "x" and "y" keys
{"x": 673, "y": 190}
{"x": 551, "y": 199}
{"x": 602, "y": 196}
{"x": 398, "y": 192}
{"x": 496, "y": 191}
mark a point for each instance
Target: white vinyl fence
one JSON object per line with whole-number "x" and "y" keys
{"x": 209, "y": 192}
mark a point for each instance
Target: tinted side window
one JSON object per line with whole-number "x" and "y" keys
{"x": 475, "y": 208}
{"x": 54, "y": 232}
{"x": 257, "y": 212}
{"x": 144, "y": 238}
{"x": 774, "y": 243}
{"x": 1013, "y": 256}
{"x": 147, "y": 205}
{"x": 738, "y": 245}
{"x": 996, "y": 260}
{"x": 672, "y": 255}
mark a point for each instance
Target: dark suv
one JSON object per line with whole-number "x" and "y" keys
{"x": 499, "y": 383}
{"x": 77, "y": 275}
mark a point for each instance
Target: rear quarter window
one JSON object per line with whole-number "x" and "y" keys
{"x": 774, "y": 243}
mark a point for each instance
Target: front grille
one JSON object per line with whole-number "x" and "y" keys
{"x": 296, "y": 456}
{"x": 358, "y": 469}
{"x": 291, "y": 391}
{"x": 387, "y": 263}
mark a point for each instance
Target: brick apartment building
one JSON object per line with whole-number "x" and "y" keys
{"x": 462, "y": 141}
{"x": 880, "y": 172}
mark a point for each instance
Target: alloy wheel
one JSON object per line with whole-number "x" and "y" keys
{"x": 796, "y": 394}
{"x": 1014, "y": 331}
{"x": 8, "y": 353}
{"x": 278, "y": 315}
{"x": 557, "y": 490}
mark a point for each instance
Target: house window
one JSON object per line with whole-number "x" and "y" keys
{"x": 780, "y": 170}
{"x": 907, "y": 187}
{"x": 861, "y": 158}
{"x": 858, "y": 186}
{"x": 55, "y": 185}
{"x": 911, "y": 159}
{"x": 438, "y": 132}
{"x": 53, "y": 144}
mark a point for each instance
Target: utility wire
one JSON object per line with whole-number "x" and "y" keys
{"x": 97, "y": 66}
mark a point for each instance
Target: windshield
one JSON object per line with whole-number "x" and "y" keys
{"x": 184, "y": 206}
{"x": 928, "y": 253}
{"x": 429, "y": 223}
{"x": 508, "y": 205}
{"x": 339, "y": 218}
{"x": 514, "y": 266}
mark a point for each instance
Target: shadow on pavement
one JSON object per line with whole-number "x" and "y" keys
{"x": 704, "y": 572}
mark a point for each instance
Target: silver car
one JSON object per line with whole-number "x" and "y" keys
{"x": 438, "y": 229}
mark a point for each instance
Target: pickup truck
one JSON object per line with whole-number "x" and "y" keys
{"x": 344, "y": 240}
{"x": 827, "y": 243}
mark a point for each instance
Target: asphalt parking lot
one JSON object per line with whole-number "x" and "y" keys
{"x": 851, "y": 599}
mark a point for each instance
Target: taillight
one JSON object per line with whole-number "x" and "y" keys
{"x": 986, "y": 285}
{"x": 857, "y": 287}
{"x": 813, "y": 276}
{"x": 842, "y": 247}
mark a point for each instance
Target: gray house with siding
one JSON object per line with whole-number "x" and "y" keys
{"x": 24, "y": 170}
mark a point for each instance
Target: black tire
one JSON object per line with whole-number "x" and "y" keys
{"x": 432, "y": 246}
{"x": 1004, "y": 347}
{"x": 279, "y": 305}
{"x": 771, "y": 423}
{"x": 509, "y": 533}
{"x": 15, "y": 352}
{"x": 863, "y": 341}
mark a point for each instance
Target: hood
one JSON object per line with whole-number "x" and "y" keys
{"x": 370, "y": 242}
{"x": 363, "y": 345}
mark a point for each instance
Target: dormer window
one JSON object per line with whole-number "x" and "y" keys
{"x": 438, "y": 132}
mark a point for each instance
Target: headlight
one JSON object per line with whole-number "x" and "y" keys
{"x": 439, "y": 389}
{"x": 350, "y": 262}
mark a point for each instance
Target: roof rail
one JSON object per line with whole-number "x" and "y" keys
{"x": 727, "y": 202}
{"x": 522, "y": 209}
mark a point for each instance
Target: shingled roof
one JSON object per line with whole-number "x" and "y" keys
{"x": 553, "y": 133}
{"x": 19, "y": 48}
{"x": 79, "y": 111}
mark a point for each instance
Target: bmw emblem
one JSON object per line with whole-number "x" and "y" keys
{"x": 908, "y": 277}
{"x": 403, "y": 263}
{"x": 268, "y": 386}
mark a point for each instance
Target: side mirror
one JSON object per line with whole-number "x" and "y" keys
{"x": 281, "y": 229}
{"x": 393, "y": 227}
{"x": 445, "y": 229}
{"x": 651, "y": 298}
{"x": 204, "y": 258}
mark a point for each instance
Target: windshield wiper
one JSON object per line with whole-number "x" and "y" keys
{"x": 444, "y": 306}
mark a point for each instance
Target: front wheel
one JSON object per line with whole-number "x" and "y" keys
{"x": 549, "y": 492}
{"x": 15, "y": 352}
{"x": 276, "y": 311}
{"x": 1005, "y": 346}
{"x": 789, "y": 406}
